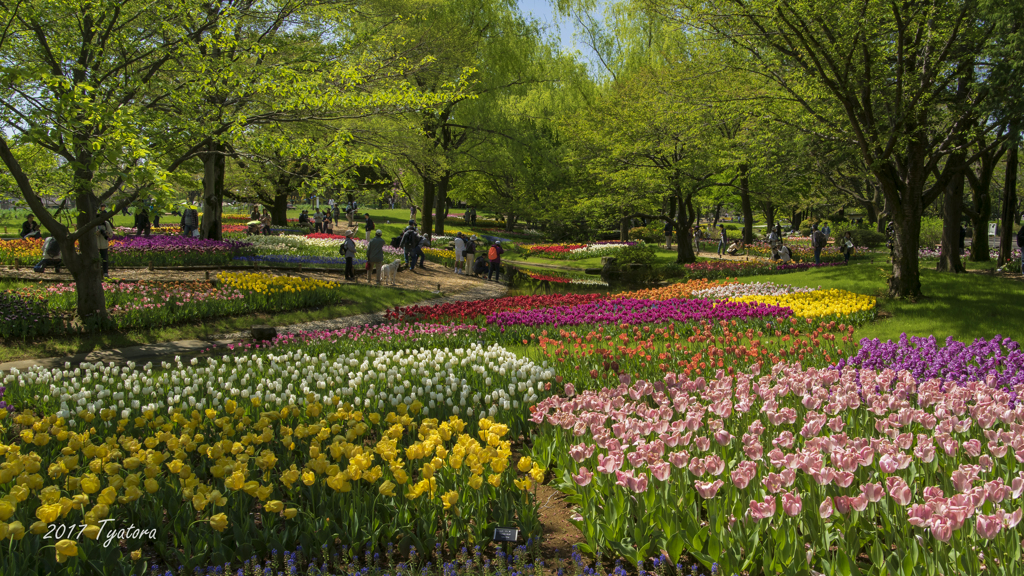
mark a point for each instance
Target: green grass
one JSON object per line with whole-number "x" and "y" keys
{"x": 965, "y": 306}
{"x": 365, "y": 299}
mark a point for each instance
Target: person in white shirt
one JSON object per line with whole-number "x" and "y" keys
{"x": 783, "y": 254}
{"x": 460, "y": 252}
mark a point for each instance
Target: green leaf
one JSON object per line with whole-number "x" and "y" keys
{"x": 675, "y": 547}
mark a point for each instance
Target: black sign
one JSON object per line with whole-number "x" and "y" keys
{"x": 506, "y": 534}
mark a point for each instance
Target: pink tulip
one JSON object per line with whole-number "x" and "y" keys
{"x": 702, "y": 443}
{"x": 972, "y": 447}
{"x": 661, "y": 470}
{"x": 791, "y": 504}
{"x": 873, "y": 492}
{"x": 887, "y": 463}
{"x": 707, "y": 490}
{"x": 844, "y": 479}
{"x": 1013, "y": 519}
{"x": 941, "y": 529}
{"x": 715, "y": 464}
{"x": 723, "y": 437}
{"x": 899, "y": 490}
{"x": 679, "y": 459}
{"x": 827, "y": 508}
{"x": 823, "y": 477}
{"x": 581, "y": 452}
{"x": 859, "y": 502}
{"x": 570, "y": 390}
{"x": 743, "y": 474}
{"x": 753, "y": 451}
{"x": 762, "y": 510}
{"x": 609, "y": 464}
{"x": 919, "y": 515}
{"x": 584, "y": 477}
{"x": 988, "y": 526}
{"x": 933, "y": 492}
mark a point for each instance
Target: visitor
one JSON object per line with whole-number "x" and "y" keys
{"x": 412, "y": 211}
{"x": 783, "y": 254}
{"x": 1020, "y": 245}
{"x": 408, "y": 243}
{"x": 420, "y": 253}
{"x": 494, "y": 258}
{"x": 480, "y": 265}
{"x": 391, "y": 201}
{"x": 826, "y": 231}
{"x": 778, "y": 230}
{"x": 472, "y": 212}
{"x": 304, "y": 221}
{"x": 735, "y": 247}
{"x": 255, "y": 214}
{"x": 723, "y": 240}
{"x": 328, "y": 224}
{"x": 30, "y": 228}
{"x": 818, "y": 242}
{"x": 963, "y": 239}
{"x": 460, "y": 253}
{"x": 668, "y": 235}
{"x": 104, "y": 232}
{"x": 470, "y": 253}
{"x": 190, "y": 221}
{"x": 265, "y": 222}
{"x": 847, "y": 247}
{"x": 336, "y": 213}
{"x": 374, "y": 257}
{"x": 348, "y": 252}
{"x": 142, "y": 225}
{"x": 370, "y": 226}
{"x": 51, "y": 256}
{"x": 772, "y": 238}
{"x": 350, "y": 214}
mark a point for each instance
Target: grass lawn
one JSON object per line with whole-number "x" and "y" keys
{"x": 365, "y": 299}
{"x": 964, "y": 306}
{"x": 662, "y": 256}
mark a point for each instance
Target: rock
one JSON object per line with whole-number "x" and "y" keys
{"x": 263, "y": 332}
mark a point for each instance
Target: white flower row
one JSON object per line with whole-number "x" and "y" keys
{"x": 749, "y": 289}
{"x": 598, "y": 248}
{"x": 470, "y": 381}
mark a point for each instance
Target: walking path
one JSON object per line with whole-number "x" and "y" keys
{"x": 478, "y": 290}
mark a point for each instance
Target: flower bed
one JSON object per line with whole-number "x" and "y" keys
{"x": 478, "y": 308}
{"x": 819, "y": 303}
{"x": 736, "y": 290}
{"x": 24, "y": 252}
{"x": 174, "y": 251}
{"x": 673, "y": 291}
{"x": 576, "y": 251}
{"x": 627, "y": 311}
{"x": 803, "y": 457}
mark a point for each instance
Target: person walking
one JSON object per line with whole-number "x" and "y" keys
{"x": 374, "y": 257}
{"x": 778, "y": 230}
{"x": 847, "y": 247}
{"x": 668, "y": 235}
{"x": 963, "y": 239}
{"x": 369, "y": 226}
{"x": 826, "y": 231}
{"x": 51, "y": 256}
{"x": 818, "y": 242}
{"x": 723, "y": 240}
{"x": 190, "y": 220}
{"x": 470, "y": 253}
{"x": 412, "y": 211}
{"x": 348, "y": 252}
{"x": 104, "y": 232}
{"x": 408, "y": 243}
{"x": 420, "y": 253}
{"x": 30, "y": 228}
{"x": 697, "y": 234}
{"x": 142, "y": 225}
{"x": 460, "y": 253}
{"x": 494, "y": 257}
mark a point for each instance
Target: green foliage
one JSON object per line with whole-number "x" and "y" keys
{"x": 931, "y": 232}
{"x": 653, "y": 233}
{"x": 867, "y": 237}
{"x": 637, "y": 254}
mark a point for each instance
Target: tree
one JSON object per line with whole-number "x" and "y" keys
{"x": 901, "y": 73}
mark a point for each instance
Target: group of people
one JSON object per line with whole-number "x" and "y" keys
{"x": 374, "y": 256}
{"x": 319, "y": 221}
{"x": 51, "y": 248}
{"x": 467, "y": 262}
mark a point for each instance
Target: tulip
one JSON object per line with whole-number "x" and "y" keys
{"x": 762, "y": 510}
{"x": 66, "y": 549}
{"x": 219, "y": 522}
{"x": 707, "y": 490}
{"x": 791, "y": 504}
{"x": 826, "y": 509}
{"x": 584, "y": 477}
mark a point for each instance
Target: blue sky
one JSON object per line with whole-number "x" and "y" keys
{"x": 557, "y": 25}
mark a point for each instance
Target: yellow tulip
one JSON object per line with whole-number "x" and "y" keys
{"x": 66, "y": 549}
{"x": 46, "y": 513}
{"x": 308, "y": 478}
{"x": 475, "y": 481}
{"x": 15, "y": 530}
{"x": 449, "y": 499}
{"x": 39, "y": 527}
{"x": 7, "y": 509}
{"x": 387, "y": 488}
{"x": 92, "y": 532}
{"x": 290, "y": 513}
{"x": 274, "y": 506}
{"x": 151, "y": 485}
{"x": 137, "y": 554}
{"x": 219, "y": 522}
{"x": 525, "y": 464}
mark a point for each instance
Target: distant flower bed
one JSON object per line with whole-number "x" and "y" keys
{"x": 174, "y": 251}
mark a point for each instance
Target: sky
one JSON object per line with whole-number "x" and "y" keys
{"x": 557, "y": 25}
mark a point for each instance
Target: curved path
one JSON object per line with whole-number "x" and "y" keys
{"x": 479, "y": 290}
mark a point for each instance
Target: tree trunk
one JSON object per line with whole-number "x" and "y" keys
{"x": 1009, "y": 204}
{"x": 624, "y": 229}
{"x": 85, "y": 264}
{"x": 981, "y": 188}
{"x": 949, "y": 255}
{"x": 718, "y": 214}
{"x": 213, "y": 192}
{"x": 428, "y": 203}
{"x": 684, "y": 239}
{"x": 279, "y": 211}
{"x": 769, "y": 216}
{"x": 510, "y": 222}
{"x": 906, "y": 209}
{"x": 441, "y": 202}
{"x": 748, "y": 211}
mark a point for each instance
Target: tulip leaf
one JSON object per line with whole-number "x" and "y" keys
{"x": 843, "y": 566}
{"x": 714, "y": 547}
{"x": 877, "y": 557}
{"x": 675, "y": 547}
{"x": 699, "y": 538}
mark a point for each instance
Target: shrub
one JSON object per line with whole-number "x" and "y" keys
{"x": 653, "y": 233}
{"x": 867, "y": 237}
{"x": 931, "y": 231}
{"x": 636, "y": 254}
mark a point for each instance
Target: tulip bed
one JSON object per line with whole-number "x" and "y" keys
{"x": 576, "y": 251}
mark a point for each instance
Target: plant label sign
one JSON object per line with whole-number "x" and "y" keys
{"x": 506, "y": 534}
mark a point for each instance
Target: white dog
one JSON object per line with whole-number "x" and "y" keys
{"x": 389, "y": 271}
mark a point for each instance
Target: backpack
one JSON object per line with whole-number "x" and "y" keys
{"x": 1020, "y": 238}
{"x": 492, "y": 254}
{"x": 817, "y": 239}
{"x": 471, "y": 247}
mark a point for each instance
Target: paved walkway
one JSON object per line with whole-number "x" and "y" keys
{"x": 168, "y": 350}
